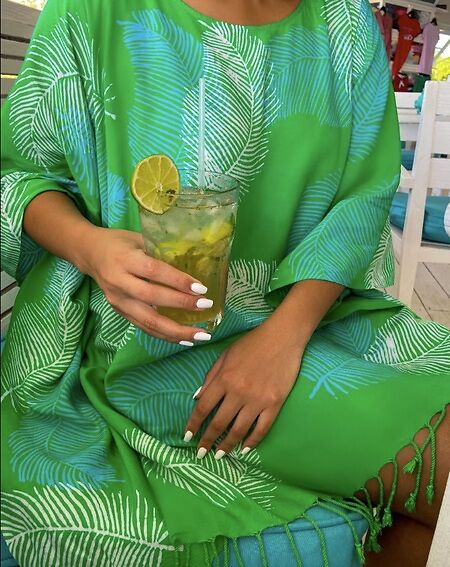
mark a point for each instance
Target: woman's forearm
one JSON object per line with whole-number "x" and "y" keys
{"x": 302, "y": 310}
{"x": 53, "y": 221}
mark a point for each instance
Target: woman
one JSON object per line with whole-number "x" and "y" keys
{"x": 107, "y": 457}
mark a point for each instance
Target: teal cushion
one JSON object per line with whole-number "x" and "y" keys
{"x": 7, "y": 559}
{"x": 437, "y": 217}
{"x": 408, "y": 159}
{"x": 338, "y": 541}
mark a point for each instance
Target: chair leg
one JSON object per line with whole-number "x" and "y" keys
{"x": 407, "y": 276}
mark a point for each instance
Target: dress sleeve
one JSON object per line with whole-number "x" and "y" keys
{"x": 351, "y": 244}
{"x": 36, "y": 137}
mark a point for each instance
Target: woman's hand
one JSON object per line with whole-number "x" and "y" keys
{"x": 116, "y": 260}
{"x": 251, "y": 381}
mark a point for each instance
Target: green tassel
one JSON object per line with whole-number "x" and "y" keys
{"x": 294, "y": 549}
{"x": 387, "y": 519}
{"x": 430, "y": 494}
{"x": 374, "y": 545}
{"x": 410, "y": 504}
{"x": 410, "y": 467}
{"x": 226, "y": 554}
{"x": 360, "y": 552}
{"x": 237, "y": 553}
{"x": 262, "y": 551}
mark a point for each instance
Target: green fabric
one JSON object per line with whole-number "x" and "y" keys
{"x": 302, "y": 113}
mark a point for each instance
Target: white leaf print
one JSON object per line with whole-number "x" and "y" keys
{"x": 381, "y": 271}
{"x": 76, "y": 525}
{"x": 410, "y": 344}
{"x": 59, "y": 99}
{"x": 240, "y": 104}
{"x": 44, "y": 339}
{"x": 222, "y": 482}
{"x": 111, "y": 328}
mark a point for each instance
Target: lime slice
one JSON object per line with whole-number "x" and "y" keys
{"x": 156, "y": 183}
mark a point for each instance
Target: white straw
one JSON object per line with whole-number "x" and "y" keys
{"x": 201, "y": 140}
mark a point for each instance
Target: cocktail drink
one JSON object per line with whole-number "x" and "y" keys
{"x": 194, "y": 234}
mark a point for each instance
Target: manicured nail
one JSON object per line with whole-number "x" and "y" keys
{"x": 197, "y": 392}
{"x": 219, "y": 455}
{"x": 246, "y": 450}
{"x": 186, "y": 343}
{"x": 202, "y": 337}
{"x": 204, "y": 303}
{"x": 188, "y": 436}
{"x": 201, "y": 452}
{"x": 199, "y": 288}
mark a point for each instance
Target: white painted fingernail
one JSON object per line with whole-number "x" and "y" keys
{"x": 197, "y": 392}
{"x": 201, "y": 452}
{"x": 246, "y": 450}
{"x": 186, "y": 343}
{"x": 188, "y": 436}
{"x": 219, "y": 455}
{"x": 202, "y": 337}
{"x": 199, "y": 288}
{"x": 204, "y": 303}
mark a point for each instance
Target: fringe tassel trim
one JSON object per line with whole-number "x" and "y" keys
{"x": 377, "y": 518}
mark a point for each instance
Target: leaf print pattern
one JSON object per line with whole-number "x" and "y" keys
{"x": 240, "y": 104}
{"x": 44, "y": 340}
{"x": 158, "y": 396}
{"x": 302, "y": 57}
{"x": 169, "y": 58}
{"x": 57, "y": 96}
{"x": 62, "y": 438}
{"x": 335, "y": 372}
{"x": 118, "y": 529}
{"x": 115, "y": 199}
{"x": 412, "y": 345}
{"x": 221, "y": 481}
{"x": 381, "y": 272}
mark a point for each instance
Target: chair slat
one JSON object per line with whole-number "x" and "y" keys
{"x": 13, "y": 28}
{"x": 6, "y": 280}
{"x": 8, "y": 299}
{"x": 14, "y": 11}
{"x": 441, "y": 140}
{"x": 5, "y": 321}
{"x": 13, "y": 48}
{"x": 6, "y": 85}
{"x": 440, "y": 173}
{"x": 11, "y": 66}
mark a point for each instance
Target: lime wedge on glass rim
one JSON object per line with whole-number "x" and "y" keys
{"x": 156, "y": 183}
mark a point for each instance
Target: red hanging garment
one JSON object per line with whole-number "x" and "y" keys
{"x": 409, "y": 28}
{"x": 385, "y": 22}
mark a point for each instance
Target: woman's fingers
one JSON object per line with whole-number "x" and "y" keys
{"x": 263, "y": 425}
{"x": 239, "y": 430}
{"x": 224, "y": 416}
{"x": 159, "y": 326}
{"x": 154, "y": 270}
{"x": 159, "y": 295}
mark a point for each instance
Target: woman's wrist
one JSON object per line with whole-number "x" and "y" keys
{"x": 87, "y": 240}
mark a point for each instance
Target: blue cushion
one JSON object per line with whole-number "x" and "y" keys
{"x": 437, "y": 217}
{"x": 7, "y": 559}
{"x": 408, "y": 159}
{"x": 338, "y": 538}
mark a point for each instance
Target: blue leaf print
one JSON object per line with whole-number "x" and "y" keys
{"x": 322, "y": 256}
{"x": 334, "y": 371}
{"x": 165, "y": 56}
{"x": 370, "y": 99}
{"x": 301, "y": 66}
{"x": 158, "y": 396}
{"x": 115, "y": 200}
{"x": 62, "y": 438}
{"x": 314, "y": 205}
{"x": 355, "y": 333}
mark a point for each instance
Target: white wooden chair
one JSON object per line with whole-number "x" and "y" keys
{"x": 408, "y": 116}
{"x": 17, "y": 24}
{"x": 430, "y": 171}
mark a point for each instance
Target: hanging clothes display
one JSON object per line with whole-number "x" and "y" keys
{"x": 409, "y": 28}
{"x": 385, "y": 22}
{"x": 430, "y": 39}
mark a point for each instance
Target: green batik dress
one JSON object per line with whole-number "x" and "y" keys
{"x": 95, "y": 471}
